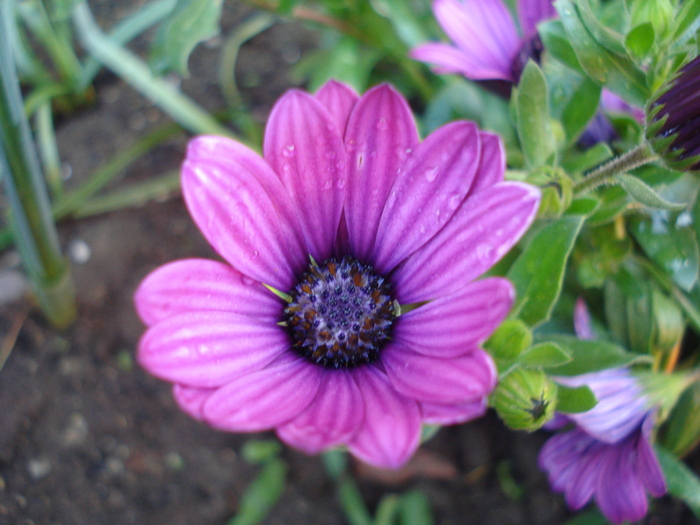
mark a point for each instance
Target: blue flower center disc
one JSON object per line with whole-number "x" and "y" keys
{"x": 341, "y": 314}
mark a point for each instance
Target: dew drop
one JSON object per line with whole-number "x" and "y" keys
{"x": 454, "y": 201}
{"x": 340, "y": 184}
{"x": 382, "y": 125}
{"x": 288, "y": 151}
{"x": 328, "y": 185}
{"x": 431, "y": 174}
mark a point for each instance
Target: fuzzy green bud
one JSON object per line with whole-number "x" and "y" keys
{"x": 557, "y": 191}
{"x": 525, "y": 399}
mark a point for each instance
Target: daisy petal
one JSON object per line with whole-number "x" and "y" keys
{"x": 647, "y": 465}
{"x": 304, "y": 146}
{"x": 194, "y": 285}
{"x": 492, "y": 163}
{"x": 620, "y": 494}
{"x": 339, "y": 99}
{"x": 445, "y": 381}
{"x": 437, "y": 414}
{"x": 482, "y": 29}
{"x": 264, "y": 399}
{"x": 482, "y": 231}
{"x": 332, "y": 417}
{"x": 243, "y": 210}
{"x": 379, "y": 137}
{"x": 390, "y": 433}
{"x": 429, "y": 189}
{"x": 448, "y": 59}
{"x": 455, "y": 324}
{"x": 192, "y": 399}
{"x": 208, "y": 349}
{"x": 532, "y": 12}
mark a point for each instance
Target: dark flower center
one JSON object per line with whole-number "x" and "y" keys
{"x": 341, "y": 314}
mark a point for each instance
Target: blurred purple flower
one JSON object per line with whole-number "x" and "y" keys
{"x": 608, "y": 455}
{"x": 487, "y": 43}
{"x": 385, "y": 219}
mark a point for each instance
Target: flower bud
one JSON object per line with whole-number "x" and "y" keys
{"x": 673, "y": 119}
{"x": 525, "y": 399}
{"x": 557, "y": 191}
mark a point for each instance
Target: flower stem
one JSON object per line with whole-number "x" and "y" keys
{"x": 30, "y": 209}
{"x": 604, "y": 174}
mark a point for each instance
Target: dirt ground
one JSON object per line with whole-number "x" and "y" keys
{"x": 87, "y": 437}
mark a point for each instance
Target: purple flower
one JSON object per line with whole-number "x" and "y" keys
{"x": 608, "y": 455}
{"x": 347, "y": 215}
{"x": 487, "y": 44}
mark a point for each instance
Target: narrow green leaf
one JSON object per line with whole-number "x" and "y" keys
{"x": 592, "y": 356}
{"x": 538, "y": 272}
{"x": 585, "y": 205}
{"x": 580, "y": 109}
{"x": 681, "y": 432}
{"x": 545, "y": 355}
{"x": 532, "y": 110}
{"x": 686, "y": 19}
{"x": 644, "y": 194}
{"x": 575, "y": 400}
{"x": 262, "y": 494}
{"x": 682, "y": 482}
{"x": 415, "y": 509}
{"x": 614, "y": 71}
{"x": 671, "y": 244}
{"x": 387, "y": 510}
{"x": 191, "y": 22}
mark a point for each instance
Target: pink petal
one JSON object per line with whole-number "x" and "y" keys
{"x": 391, "y": 430}
{"x": 304, "y": 147}
{"x": 266, "y": 398}
{"x": 647, "y": 465}
{"x": 582, "y": 320}
{"x": 492, "y": 163}
{"x": 532, "y": 12}
{"x": 437, "y": 414}
{"x": 331, "y": 419}
{"x": 243, "y": 210}
{"x": 339, "y": 99}
{"x": 380, "y": 135}
{"x": 192, "y": 399}
{"x": 483, "y": 29}
{"x": 446, "y": 59}
{"x": 455, "y": 324}
{"x": 430, "y": 187}
{"x": 208, "y": 349}
{"x": 194, "y": 285}
{"x": 482, "y": 231}
{"x": 620, "y": 494}
{"x": 445, "y": 381}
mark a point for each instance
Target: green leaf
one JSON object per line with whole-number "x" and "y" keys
{"x": 640, "y": 40}
{"x": 592, "y": 356}
{"x": 580, "y": 110}
{"x": 644, "y": 194}
{"x": 538, "y": 272}
{"x": 557, "y": 43}
{"x": 672, "y": 246}
{"x": 613, "y": 201}
{"x": 613, "y": 70}
{"x": 681, "y": 431}
{"x": 545, "y": 355}
{"x": 607, "y": 38}
{"x": 532, "y": 110}
{"x": 585, "y": 205}
{"x": 509, "y": 340}
{"x": 680, "y": 480}
{"x": 261, "y": 494}
{"x": 686, "y": 19}
{"x": 191, "y": 22}
{"x": 575, "y": 400}
{"x": 414, "y": 509}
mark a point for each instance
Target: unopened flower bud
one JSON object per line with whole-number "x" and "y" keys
{"x": 673, "y": 119}
{"x": 557, "y": 191}
{"x": 525, "y": 399}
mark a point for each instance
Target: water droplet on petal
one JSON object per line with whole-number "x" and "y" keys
{"x": 340, "y": 184}
{"x": 288, "y": 151}
{"x": 382, "y": 125}
{"x": 431, "y": 174}
{"x": 328, "y": 185}
{"x": 454, "y": 201}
